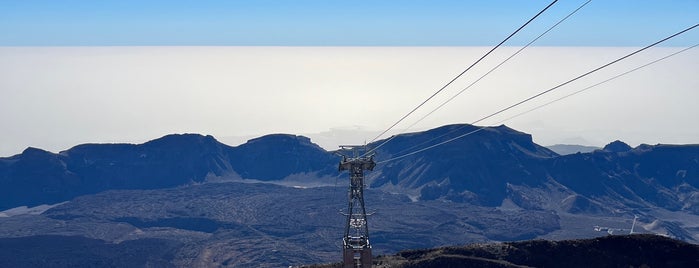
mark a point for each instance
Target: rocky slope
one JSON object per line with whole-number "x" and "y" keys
{"x": 259, "y": 225}
{"x": 475, "y": 169}
{"x": 609, "y": 251}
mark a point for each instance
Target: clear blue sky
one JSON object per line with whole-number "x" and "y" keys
{"x": 337, "y": 23}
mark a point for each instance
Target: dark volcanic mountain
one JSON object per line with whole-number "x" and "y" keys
{"x": 662, "y": 175}
{"x": 40, "y": 177}
{"x": 497, "y": 164}
{"x": 487, "y": 167}
{"x": 476, "y": 169}
{"x": 274, "y": 157}
{"x": 495, "y": 184}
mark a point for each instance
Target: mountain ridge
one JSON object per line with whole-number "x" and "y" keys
{"x": 490, "y": 165}
{"x": 40, "y": 177}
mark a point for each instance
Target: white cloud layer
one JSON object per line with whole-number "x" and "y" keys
{"x": 57, "y": 97}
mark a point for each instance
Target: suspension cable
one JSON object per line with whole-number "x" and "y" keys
{"x": 480, "y": 78}
{"x": 496, "y": 67}
{"x": 540, "y": 106}
{"x": 536, "y": 96}
{"x": 462, "y": 73}
{"x": 597, "y": 84}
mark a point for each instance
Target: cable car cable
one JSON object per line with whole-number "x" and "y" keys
{"x": 543, "y": 105}
{"x": 545, "y": 92}
{"x": 462, "y": 73}
{"x": 597, "y": 84}
{"x": 495, "y": 68}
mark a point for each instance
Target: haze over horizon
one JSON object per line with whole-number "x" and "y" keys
{"x": 61, "y": 97}
{"x": 126, "y": 71}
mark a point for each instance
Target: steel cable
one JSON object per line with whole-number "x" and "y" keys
{"x": 459, "y": 75}
{"x": 535, "y": 96}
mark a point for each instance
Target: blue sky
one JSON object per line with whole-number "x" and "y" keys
{"x": 338, "y": 23}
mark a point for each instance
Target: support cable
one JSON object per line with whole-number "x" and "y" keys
{"x": 597, "y": 84}
{"x": 535, "y": 96}
{"x": 462, "y": 73}
{"x": 543, "y": 105}
{"x": 496, "y": 67}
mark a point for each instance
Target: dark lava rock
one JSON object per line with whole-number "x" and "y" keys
{"x": 610, "y": 251}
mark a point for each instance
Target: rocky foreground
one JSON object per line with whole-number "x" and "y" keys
{"x": 610, "y": 251}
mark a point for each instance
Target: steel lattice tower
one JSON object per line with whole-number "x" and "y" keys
{"x": 356, "y": 249}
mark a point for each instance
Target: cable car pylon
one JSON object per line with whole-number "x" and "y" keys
{"x": 356, "y": 249}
